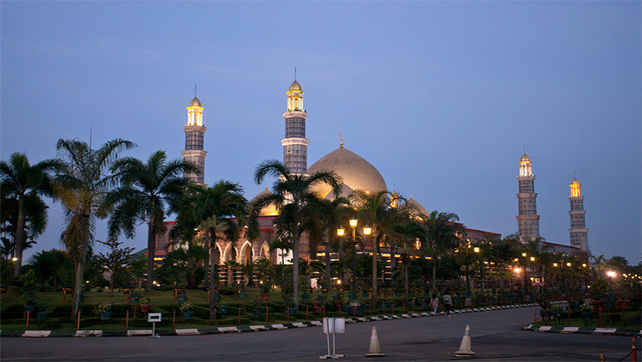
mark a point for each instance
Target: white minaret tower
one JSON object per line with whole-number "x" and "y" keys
{"x": 295, "y": 145}
{"x": 527, "y": 220}
{"x": 194, "y": 135}
{"x": 578, "y": 230}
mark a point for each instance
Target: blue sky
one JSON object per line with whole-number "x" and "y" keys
{"x": 441, "y": 97}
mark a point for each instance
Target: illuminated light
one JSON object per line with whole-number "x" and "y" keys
{"x": 87, "y": 281}
{"x": 568, "y": 264}
{"x": 516, "y": 259}
{"x": 584, "y": 265}
{"x": 476, "y": 249}
{"x": 14, "y": 259}
{"x": 341, "y": 232}
{"x": 555, "y": 265}
{"x": 611, "y": 274}
{"x": 338, "y": 281}
{"x": 158, "y": 258}
{"x": 532, "y": 258}
{"x": 517, "y": 270}
{"x": 524, "y": 255}
{"x": 353, "y": 223}
{"x": 367, "y": 230}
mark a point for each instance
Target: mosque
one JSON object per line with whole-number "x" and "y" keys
{"x": 357, "y": 174}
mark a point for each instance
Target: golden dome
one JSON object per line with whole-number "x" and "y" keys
{"x": 195, "y": 103}
{"x": 295, "y": 86}
{"x": 269, "y": 210}
{"x": 575, "y": 182}
{"x": 418, "y": 208}
{"x": 525, "y": 158}
{"x": 356, "y": 173}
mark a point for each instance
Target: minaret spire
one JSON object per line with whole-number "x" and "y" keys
{"x": 578, "y": 230}
{"x": 194, "y": 139}
{"x": 341, "y": 136}
{"x": 295, "y": 145}
{"x": 527, "y": 220}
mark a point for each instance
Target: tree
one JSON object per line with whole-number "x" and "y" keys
{"x": 82, "y": 186}
{"x": 372, "y": 210}
{"x": 115, "y": 261}
{"x": 53, "y": 267}
{"x": 22, "y": 187}
{"x": 220, "y": 211}
{"x": 291, "y": 192}
{"x": 143, "y": 195}
{"x": 503, "y": 252}
{"x": 442, "y": 236}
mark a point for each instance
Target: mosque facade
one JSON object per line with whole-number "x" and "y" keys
{"x": 356, "y": 173}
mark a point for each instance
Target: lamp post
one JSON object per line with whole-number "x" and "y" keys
{"x": 477, "y": 250}
{"x": 353, "y": 225}
{"x": 367, "y": 230}
{"x": 341, "y": 232}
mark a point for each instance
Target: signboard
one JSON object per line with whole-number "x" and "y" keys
{"x": 334, "y": 325}
{"x": 154, "y": 317}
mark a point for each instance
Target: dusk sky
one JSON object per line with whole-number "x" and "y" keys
{"x": 441, "y": 97}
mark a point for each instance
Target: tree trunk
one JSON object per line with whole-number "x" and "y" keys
{"x": 151, "y": 252}
{"x": 295, "y": 266}
{"x": 212, "y": 272}
{"x": 433, "y": 286}
{"x": 80, "y": 268}
{"x": 393, "y": 264}
{"x": 19, "y": 239}
{"x": 406, "y": 286}
{"x": 374, "y": 268}
{"x": 328, "y": 262}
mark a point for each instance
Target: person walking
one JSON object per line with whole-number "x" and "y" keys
{"x": 434, "y": 304}
{"x": 448, "y": 303}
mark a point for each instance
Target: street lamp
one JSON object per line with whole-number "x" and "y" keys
{"x": 367, "y": 230}
{"x": 353, "y": 225}
{"x": 341, "y": 232}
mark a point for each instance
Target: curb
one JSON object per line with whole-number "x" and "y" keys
{"x": 584, "y": 330}
{"x": 254, "y": 328}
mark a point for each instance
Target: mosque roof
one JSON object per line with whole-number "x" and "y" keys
{"x": 269, "y": 210}
{"x": 195, "y": 103}
{"x": 419, "y": 208}
{"x": 356, "y": 172}
{"x": 525, "y": 158}
{"x": 295, "y": 86}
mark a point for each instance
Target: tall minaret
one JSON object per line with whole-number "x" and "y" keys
{"x": 295, "y": 145}
{"x": 194, "y": 134}
{"x": 578, "y": 230}
{"x": 527, "y": 220}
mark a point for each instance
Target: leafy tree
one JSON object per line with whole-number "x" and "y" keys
{"x": 82, "y": 187}
{"x": 291, "y": 192}
{"x": 220, "y": 211}
{"x": 22, "y": 187}
{"x": 115, "y": 261}
{"x": 143, "y": 195}
{"x": 53, "y": 267}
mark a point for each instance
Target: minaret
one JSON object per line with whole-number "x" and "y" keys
{"x": 527, "y": 220}
{"x": 578, "y": 230}
{"x": 295, "y": 145}
{"x": 194, "y": 134}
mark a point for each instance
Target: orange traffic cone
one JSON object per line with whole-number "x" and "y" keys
{"x": 375, "y": 350}
{"x": 465, "y": 347}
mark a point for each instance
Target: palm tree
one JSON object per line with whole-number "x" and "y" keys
{"x": 325, "y": 217}
{"x": 220, "y": 210}
{"x": 503, "y": 252}
{"x": 143, "y": 195}
{"x": 82, "y": 187}
{"x": 442, "y": 236}
{"x": 291, "y": 192}
{"x": 374, "y": 211}
{"x": 21, "y": 187}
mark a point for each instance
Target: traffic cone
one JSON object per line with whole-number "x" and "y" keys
{"x": 464, "y": 347}
{"x": 375, "y": 350}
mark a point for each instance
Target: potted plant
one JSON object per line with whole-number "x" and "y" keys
{"x": 30, "y": 299}
{"x": 258, "y": 308}
{"x": 265, "y": 291}
{"x": 104, "y": 309}
{"x": 188, "y": 310}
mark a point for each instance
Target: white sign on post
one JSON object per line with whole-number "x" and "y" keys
{"x": 153, "y": 318}
{"x": 333, "y": 326}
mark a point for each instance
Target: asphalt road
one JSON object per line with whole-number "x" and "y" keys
{"x": 496, "y": 336}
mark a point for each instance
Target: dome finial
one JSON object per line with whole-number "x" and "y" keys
{"x": 341, "y": 136}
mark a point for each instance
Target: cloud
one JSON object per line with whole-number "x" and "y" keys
{"x": 105, "y": 48}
